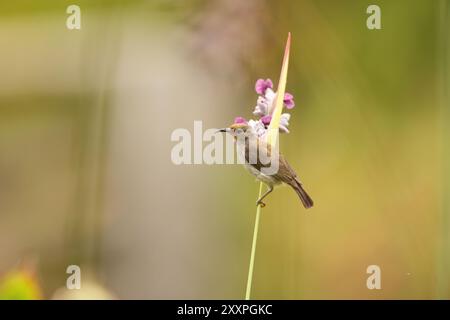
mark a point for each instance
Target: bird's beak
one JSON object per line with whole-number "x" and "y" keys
{"x": 222, "y": 130}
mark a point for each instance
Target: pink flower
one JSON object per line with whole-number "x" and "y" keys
{"x": 240, "y": 120}
{"x": 262, "y": 85}
{"x": 266, "y": 120}
{"x": 289, "y": 100}
{"x": 264, "y": 108}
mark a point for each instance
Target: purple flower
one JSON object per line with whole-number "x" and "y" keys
{"x": 240, "y": 120}
{"x": 257, "y": 128}
{"x": 284, "y": 122}
{"x": 262, "y": 85}
{"x": 289, "y": 100}
{"x": 266, "y": 120}
{"x": 264, "y": 108}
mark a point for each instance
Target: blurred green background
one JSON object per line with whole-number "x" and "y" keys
{"x": 85, "y": 171}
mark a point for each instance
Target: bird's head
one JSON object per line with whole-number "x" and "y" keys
{"x": 236, "y": 129}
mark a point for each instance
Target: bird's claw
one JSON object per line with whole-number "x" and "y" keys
{"x": 260, "y": 203}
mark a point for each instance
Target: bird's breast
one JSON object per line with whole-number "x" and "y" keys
{"x": 267, "y": 179}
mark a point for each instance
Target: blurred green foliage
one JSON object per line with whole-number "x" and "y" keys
{"x": 19, "y": 285}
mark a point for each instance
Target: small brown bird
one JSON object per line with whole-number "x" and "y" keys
{"x": 248, "y": 147}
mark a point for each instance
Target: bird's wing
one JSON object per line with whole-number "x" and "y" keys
{"x": 251, "y": 152}
{"x": 285, "y": 172}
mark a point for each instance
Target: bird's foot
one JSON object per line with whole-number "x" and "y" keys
{"x": 260, "y": 203}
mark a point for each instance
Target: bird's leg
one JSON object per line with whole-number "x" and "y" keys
{"x": 259, "y": 202}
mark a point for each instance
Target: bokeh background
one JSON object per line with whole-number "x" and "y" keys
{"x": 86, "y": 176}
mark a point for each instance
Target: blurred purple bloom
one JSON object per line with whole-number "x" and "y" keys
{"x": 289, "y": 100}
{"x": 262, "y": 85}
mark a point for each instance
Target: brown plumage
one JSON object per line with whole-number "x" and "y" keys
{"x": 285, "y": 173}
{"x": 245, "y": 140}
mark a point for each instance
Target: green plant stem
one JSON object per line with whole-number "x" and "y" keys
{"x": 252, "y": 254}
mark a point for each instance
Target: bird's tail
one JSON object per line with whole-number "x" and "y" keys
{"x": 306, "y": 199}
